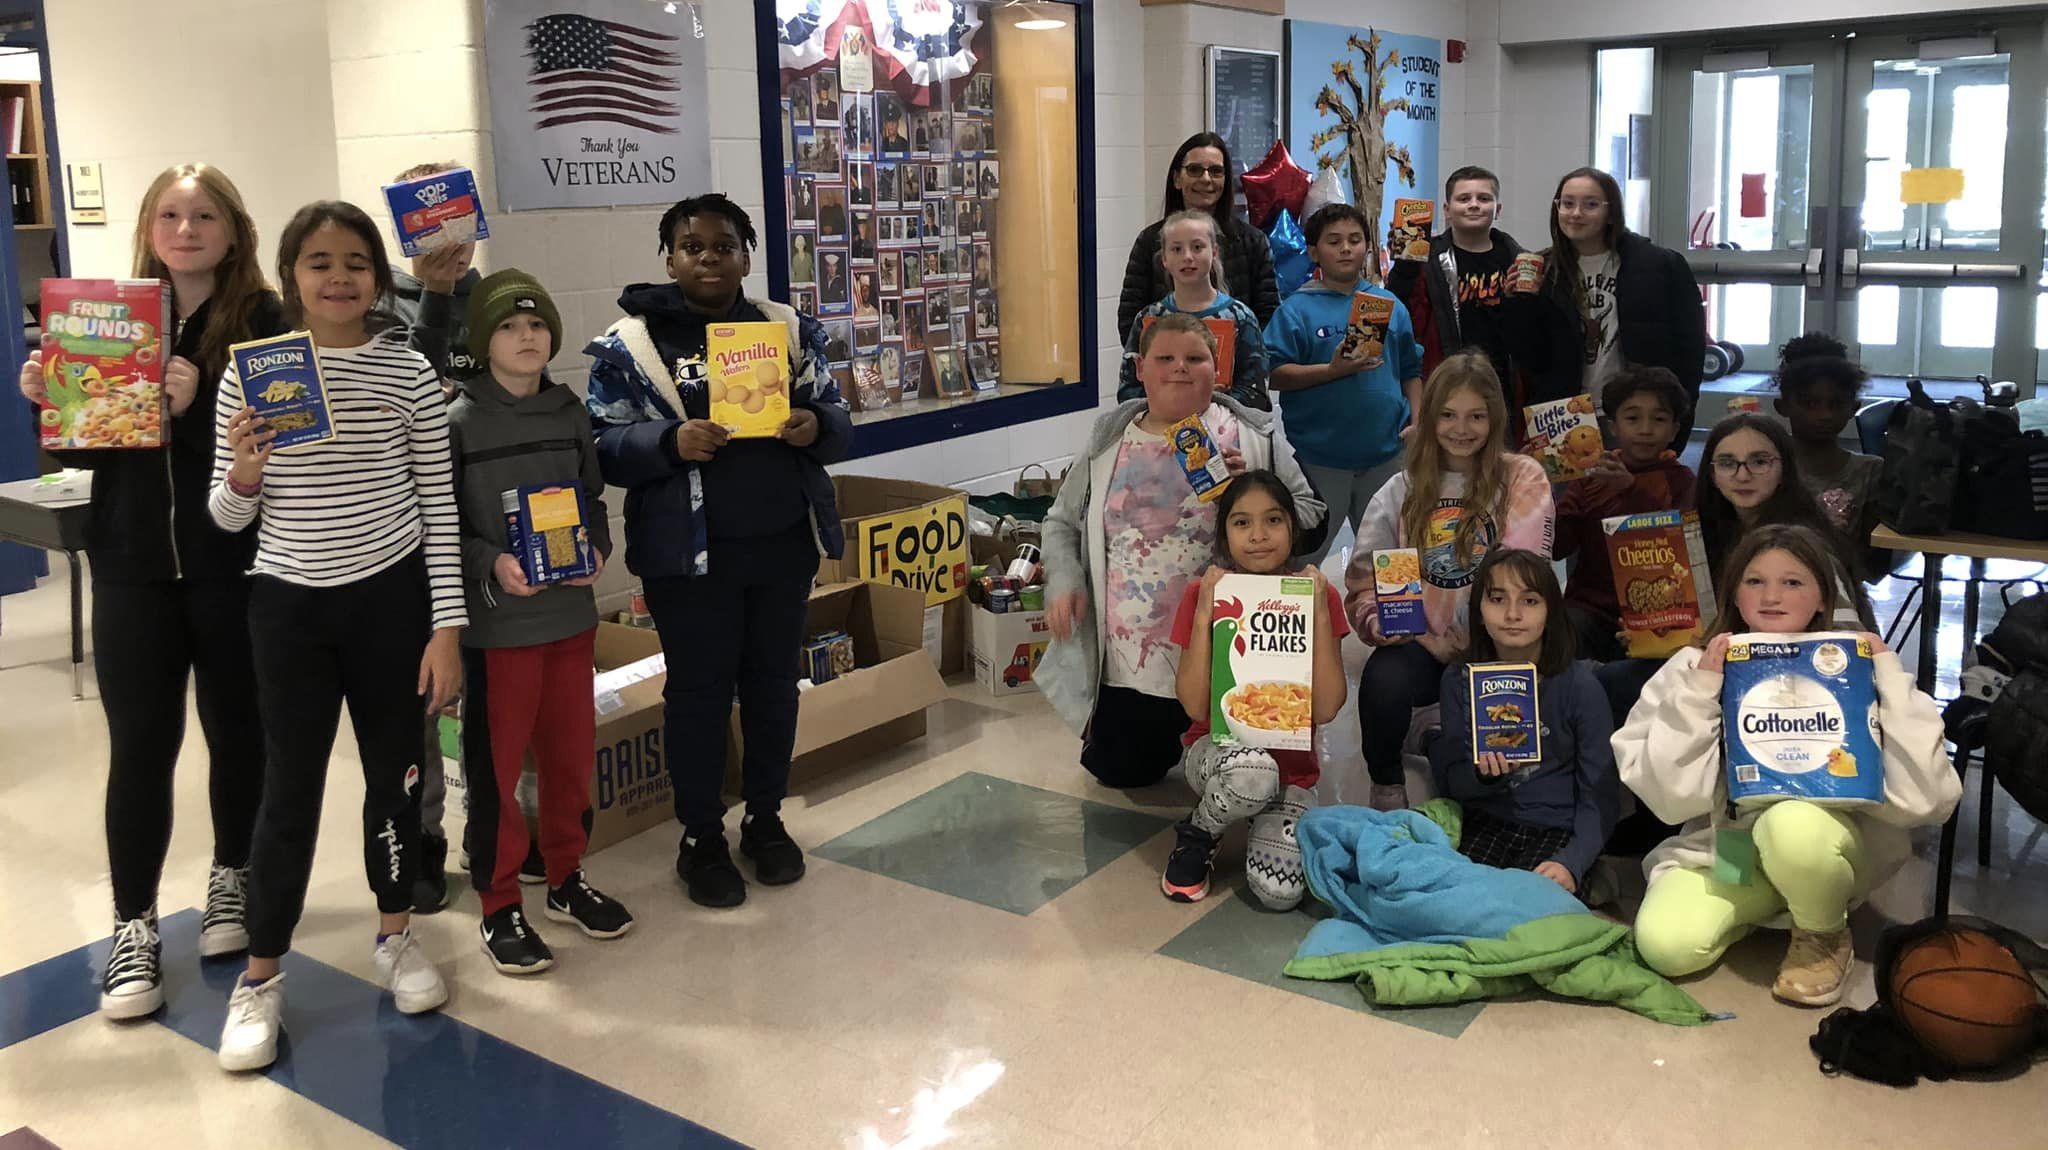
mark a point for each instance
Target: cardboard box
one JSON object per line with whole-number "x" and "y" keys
{"x": 908, "y": 534}
{"x": 104, "y": 351}
{"x": 1506, "y": 717}
{"x": 1262, "y": 661}
{"x": 1564, "y": 436}
{"x": 1006, "y": 649}
{"x": 1662, "y": 580}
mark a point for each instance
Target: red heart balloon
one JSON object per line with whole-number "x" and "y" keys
{"x": 1277, "y": 182}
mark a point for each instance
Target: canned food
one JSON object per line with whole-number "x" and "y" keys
{"x": 1001, "y": 600}
{"x": 1031, "y": 598}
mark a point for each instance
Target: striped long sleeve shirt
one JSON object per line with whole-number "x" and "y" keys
{"x": 334, "y": 512}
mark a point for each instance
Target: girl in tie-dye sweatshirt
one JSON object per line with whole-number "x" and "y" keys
{"x": 1459, "y": 495}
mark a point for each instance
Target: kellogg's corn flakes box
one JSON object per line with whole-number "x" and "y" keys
{"x": 1412, "y": 220}
{"x": 1397, "y": 591}
{"x": 1799, "y": 720}
{"x": 545, "y": 528}
{"x": 1564, "y": 436}
{"x": 280, "y": 378}
{"x": 1200, "y": 460}
{"x": 1662, "y": 580}
{"x": 436, "y": 211}
{"x": 1262, "y": 661}
{"x": 749, "y": 377}
{"x": 1505, "y": 720}
{"x": 103, "y": 364}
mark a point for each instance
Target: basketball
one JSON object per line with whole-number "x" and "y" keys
{"x": 1966, "y": 998}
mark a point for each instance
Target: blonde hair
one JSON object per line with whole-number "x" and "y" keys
{"x": 1215, "y": 242}
{"x": 1486, "y": 484}
{"x": 237, "y": 279}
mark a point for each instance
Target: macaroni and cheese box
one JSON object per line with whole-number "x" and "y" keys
{"x": 281, "y": 380}
{"x": 1199, "y": 458}
{"x": 1412, "y": 220}
{"x": 103, "y": 363}
{"x": 1504, "y": 712}
{"x": 1564, "y": 436}
{"x": 545, "y": 528}
{"x": 1662, "y": 580}
{"x": 1799, "y": 720}
{"x": 1262, "y": 661}
{"x": 1225, "y": 332}
{"x": 749, "y": 369}
{"x": 1397, "y": 591}
{"x": 438, "y": 210}
{"x": 1366, "y": 335}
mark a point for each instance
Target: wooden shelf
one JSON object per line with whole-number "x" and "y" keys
{"x": 35, "y": 227}
{"x": 39, "y": 212}
{"x": 24, "y": 155}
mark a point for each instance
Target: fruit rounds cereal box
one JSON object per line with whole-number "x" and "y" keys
{"x": 1799, "y": 720}
{"x": 749, "y": 377}
{"x": 1262, "y": 661}
{"x": 1505, "y": 719}
{"x": 1564, "y": 436}
{"x": 1662, "y": 580}
{"x": 103, "y": 363}
{"x": 1412, "y": 219}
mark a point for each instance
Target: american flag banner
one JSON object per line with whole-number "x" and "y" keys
{"x": 589, "y": 71}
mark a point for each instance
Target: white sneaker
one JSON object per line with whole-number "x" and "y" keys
{"x": 248, "y": 1040}
{"x": 408, "y": 975}
{"x": 221, "y": 931}
{"x": 134, "y": 982}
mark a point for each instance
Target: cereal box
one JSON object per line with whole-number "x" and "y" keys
{"x": 1564, "y": 436}
{"x": 1225, "y": 332}
{"x": 281, "y": 379}
{"x": 103, "y": 363}
{"x": 1504, "y": 712}
{"x": 1412, "y": 220}
{"x": 1262, "y": 661}
{"x": 1365, "y": 337}
{"x": 435, "y": 211}
{"x": 749, "y": 365}
{"x": 544, "y": 527}
{"x": 1397, "y": 590}
{"x": 1662, "y": 580}
{"x": 1200, "y": 461}
{"x": 1799, "y": 720}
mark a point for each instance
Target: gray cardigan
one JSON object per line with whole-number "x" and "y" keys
{"x": 1075, "y": 549}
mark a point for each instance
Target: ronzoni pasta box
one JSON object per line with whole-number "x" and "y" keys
{"x": 1505, "y": 720}
{"x": 1397, "y": 592}
{"x": 1199, "y": 459}
{"x": 1412, "y": 219}
{"x": 1366, "y": 335}
{"x": 1262, "y": 661}
{"x": 1799, "y": 720}
{"x": 1661, "y": 580}
{"x": 544, "y": 527}
{"x": 749, "y": 374}
{"x": 280, "y": 378}
{"x": 103, "y": 363}
{"x": 1564, "y": 436}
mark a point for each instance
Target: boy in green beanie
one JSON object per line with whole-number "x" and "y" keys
{"x": 527, "y": 653}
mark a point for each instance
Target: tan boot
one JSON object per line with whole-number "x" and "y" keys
{"x": 1816, "y": 967}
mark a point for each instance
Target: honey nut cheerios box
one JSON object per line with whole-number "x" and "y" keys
{"x": 1799, "y": 720}
{"x": 1505, "y": 718}
{"x": 1564, "y": 436}
{"x": 1262, "y": 661}
{"x": 749, "y": 372}
{"x": 1662, "y": 580}
{"x": 103, "y": 364}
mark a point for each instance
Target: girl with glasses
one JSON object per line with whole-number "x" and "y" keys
{"x": 1751, "y": 473}
{"x": 1203, "y": 178}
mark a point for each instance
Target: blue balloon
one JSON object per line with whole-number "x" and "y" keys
{"x": 1291, "y": 265}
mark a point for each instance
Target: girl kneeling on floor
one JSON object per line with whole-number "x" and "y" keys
{"x": 1553, "y": 815}
{"x": 1127, "y": 537}
{"x": 1810, "y": 863}
{"x": 1258, "y": 534}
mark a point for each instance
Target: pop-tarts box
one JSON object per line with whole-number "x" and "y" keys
{"x": 435, "y": 211}
{"x": 1397, "y": 591}
{"x": 1504, "y": 713}
{"x": 280, "y": 378}
{"x": 1799, "y": 720}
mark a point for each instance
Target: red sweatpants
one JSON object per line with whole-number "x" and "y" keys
{"x": 539, "y": 698}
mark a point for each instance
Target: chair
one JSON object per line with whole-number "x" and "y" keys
{"x": 1968, "y": 740}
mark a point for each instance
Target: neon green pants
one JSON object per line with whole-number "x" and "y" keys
{"x": 1808, "y": 859}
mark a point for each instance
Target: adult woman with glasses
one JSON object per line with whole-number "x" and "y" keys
{"x": 1203, "y": 178}
{"x": 1632, "y": 301}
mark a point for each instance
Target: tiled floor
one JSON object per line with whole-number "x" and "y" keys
{"x": 979, "y": 957}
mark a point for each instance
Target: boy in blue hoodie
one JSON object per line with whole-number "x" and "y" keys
{"x": 725, "y": 534}
{"x": 1344, "y": 413}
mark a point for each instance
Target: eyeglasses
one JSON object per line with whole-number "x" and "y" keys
{"x": 1199, "y": 171}
{"x": 1758, "y": 464}
{"x": 1576, "y": 207}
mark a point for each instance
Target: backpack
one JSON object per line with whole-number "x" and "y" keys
{"x": 2016, "y": 733}
{"x": 2002, "y": 488}
{"x": 1917, "y": 488}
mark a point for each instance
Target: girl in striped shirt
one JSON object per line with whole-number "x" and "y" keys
{"x": 358, "y": 595}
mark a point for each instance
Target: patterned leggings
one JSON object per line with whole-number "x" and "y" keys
{"x": 1244, "y": 783}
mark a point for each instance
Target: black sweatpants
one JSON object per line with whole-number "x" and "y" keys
{"x": 315, "y": 648}
{"x": 148, "y": 638}
{"x": 1396, "y": 680}
{"x": 738, "y": 630}
{"x": 1133, "y": 738}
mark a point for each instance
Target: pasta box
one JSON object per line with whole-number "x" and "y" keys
{"x": 1199, "y": 459}
{"x": 103, "y": 364}
{"x": 545, "y": 528}
{"x": 1564, "y": 436}
{"x": 1662, "y": 580}
{"x": 437, "y": 210}
{"x": 1262, "y": 661}
{"x": 280, "y": 378}
{"x": 1397, "y": 591}
{"x": 1505, "y": 720}
{"x": 1799, "y": 720}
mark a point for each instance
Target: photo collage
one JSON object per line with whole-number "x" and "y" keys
{"x": 892, "y": 200}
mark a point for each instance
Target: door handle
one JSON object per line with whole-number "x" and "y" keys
{"x": 1920, "y": 271}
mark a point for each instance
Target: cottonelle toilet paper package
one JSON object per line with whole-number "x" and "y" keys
{"x": 1799, "y": 720}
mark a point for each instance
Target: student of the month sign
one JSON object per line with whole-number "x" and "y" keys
{"x": 596, "y": 103}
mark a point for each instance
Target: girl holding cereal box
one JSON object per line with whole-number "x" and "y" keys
{"x": 1796, "y": 862}
{"x": 1459, "y": 495}
{"x": 1125, "y": 541}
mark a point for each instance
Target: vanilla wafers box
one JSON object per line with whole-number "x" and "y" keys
{"x": 749, "y": 377}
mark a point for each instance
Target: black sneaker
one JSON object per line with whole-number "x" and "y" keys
{"x": 576, "y": 901}
{"x": 134, "y": 982}
{"x": 514, "y": 947}
{"x": 1187, "y": 868}
{"x": 430, "y": 885}
{"x": 705, "y": 864}
{"x": 778, "y": 861}
{"x": 534, "y": 871}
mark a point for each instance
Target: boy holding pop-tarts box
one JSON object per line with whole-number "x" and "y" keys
{"x": 534, "y": 536}
{"x": 1346, "y": 367}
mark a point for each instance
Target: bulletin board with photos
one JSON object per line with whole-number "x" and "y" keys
{"x": 893, "y": 184}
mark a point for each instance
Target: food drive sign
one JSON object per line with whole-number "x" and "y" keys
{"x": 923, "y": 547}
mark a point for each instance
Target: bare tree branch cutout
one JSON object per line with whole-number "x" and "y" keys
{"x": 1362, "y": 127}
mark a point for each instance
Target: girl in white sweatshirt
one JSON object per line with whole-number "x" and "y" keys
{"x": 1802, "y": 864}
